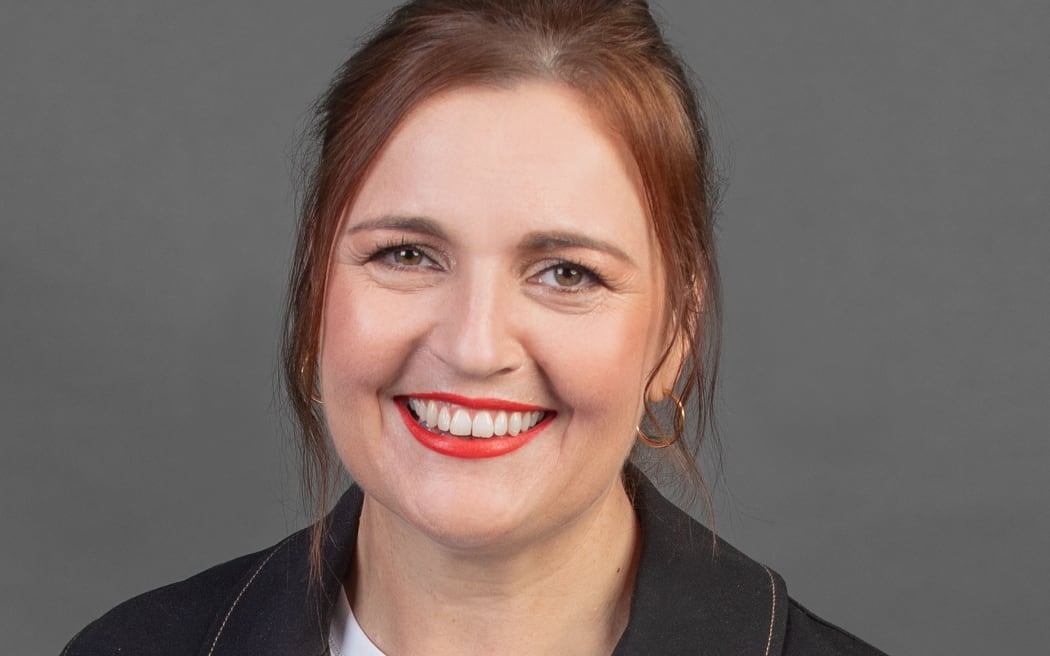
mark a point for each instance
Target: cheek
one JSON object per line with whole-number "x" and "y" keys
{"x": 599, "y": 366}
{"x": 364, "y": 340}
{"x": 367, "y": 337}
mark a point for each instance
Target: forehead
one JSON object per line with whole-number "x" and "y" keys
{"x": 531, "y": 153}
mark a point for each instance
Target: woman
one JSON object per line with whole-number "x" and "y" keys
{"x": 504, "y": 265}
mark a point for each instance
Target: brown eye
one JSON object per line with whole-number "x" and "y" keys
{"x": 403, "y": 257}
{"x": 568, "y": 276}
{"x": 408, "y": 256}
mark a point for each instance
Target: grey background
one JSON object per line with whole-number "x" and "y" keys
{"x": 884, "y": 242}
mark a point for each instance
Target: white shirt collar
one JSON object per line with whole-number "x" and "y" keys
{"x": 345, "y": 637}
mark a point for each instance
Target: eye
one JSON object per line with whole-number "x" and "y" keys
{"x": 403, "y": 256}
{"x": 567, "y": 276}
{"x": 407, "y": 256}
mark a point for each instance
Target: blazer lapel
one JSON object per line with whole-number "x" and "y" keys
{"x": 693, "y": 598}
{"x": 277, "y": 610}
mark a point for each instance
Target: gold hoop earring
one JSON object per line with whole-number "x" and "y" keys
{"x": 650, "y": 442}
{"x": 679, "y": 426}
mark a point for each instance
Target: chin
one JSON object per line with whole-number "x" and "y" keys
{"x": 470, "y": 520}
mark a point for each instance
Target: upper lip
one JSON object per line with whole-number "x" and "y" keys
{"x": 477, "y": 403}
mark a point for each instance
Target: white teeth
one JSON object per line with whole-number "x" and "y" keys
{"x": 499, "y": 426}
{"x": 460, "y": 424}
{"x": 475, "y": 423}
{"x": 417, "y": 406}
{"x": 482, "y": 426}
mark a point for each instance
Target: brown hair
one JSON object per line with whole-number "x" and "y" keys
{"x": 613, "y": 53}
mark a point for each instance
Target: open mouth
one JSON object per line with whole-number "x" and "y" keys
{"x": 443, "y": 417}
{"x": 471, "y": 428}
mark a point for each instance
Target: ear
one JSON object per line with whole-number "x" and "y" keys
{"x": 679, "y": 331}
{"x": 666, "y": 376}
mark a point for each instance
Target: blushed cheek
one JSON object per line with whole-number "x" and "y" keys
{"x": 365, "y": 345}
{"x": 364, "y": 342}
{"x": 603, "y": 371}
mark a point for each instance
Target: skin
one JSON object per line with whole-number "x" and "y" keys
{"x": 499, "y": 248}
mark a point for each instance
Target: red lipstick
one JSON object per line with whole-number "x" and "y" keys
{"x": 478, "y": 404}
{"x": 471, "y": 448}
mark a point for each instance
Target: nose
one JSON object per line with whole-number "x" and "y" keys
{"x": 476, "y": 333}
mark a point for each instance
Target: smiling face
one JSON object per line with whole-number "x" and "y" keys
{"x": 494, "y": 307}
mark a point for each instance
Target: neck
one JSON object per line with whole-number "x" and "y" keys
{"x": 567, "y": 592}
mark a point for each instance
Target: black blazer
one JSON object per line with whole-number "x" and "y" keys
{"x": 686, "y": 601}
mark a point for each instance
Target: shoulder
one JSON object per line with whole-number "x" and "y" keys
{"x": 260, "y": 604}
{"x": 692, "y": 589}
{"x": 806, "y": 633}
{"x": 174, "y": 619}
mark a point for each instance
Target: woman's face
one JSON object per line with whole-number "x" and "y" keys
{"x": 496, "y": 276}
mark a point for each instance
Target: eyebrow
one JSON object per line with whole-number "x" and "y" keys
{"x": 533, "y": 242}
{"x": 415, "y": 224}
{"x": 545, "y": 241}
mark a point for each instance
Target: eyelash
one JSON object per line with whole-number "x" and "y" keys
{"x": 590, "y": 276}
{"x": 382, "y": 251}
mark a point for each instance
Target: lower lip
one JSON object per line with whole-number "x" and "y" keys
{"x": 470, "y": 448}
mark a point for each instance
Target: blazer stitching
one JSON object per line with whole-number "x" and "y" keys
{"x": 240, "y": 594}
{"x": 773, "y": 610}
